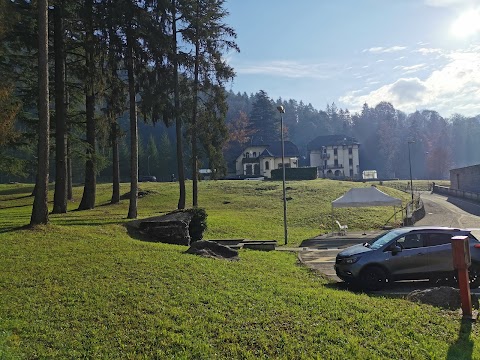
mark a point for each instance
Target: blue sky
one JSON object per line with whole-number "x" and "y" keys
{"x": 416, "y": 54}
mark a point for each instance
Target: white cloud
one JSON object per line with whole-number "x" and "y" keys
{"x": 452, "y": 88}
{"x": 381, "y": 50}
{"x": 427, "y": 51}
{"x": 449, "y": 3}
{"x": 410, "y": 69}
{"x": 403, "y": 93}
{"x": 289, "y": 69}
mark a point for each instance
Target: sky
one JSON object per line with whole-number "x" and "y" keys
{"x": 415, "y": 54}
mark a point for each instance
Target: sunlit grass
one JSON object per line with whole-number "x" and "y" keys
{"x": 81, "y": 287}
{"x": 236, "y": 209}
{"x": 81, "y": 291}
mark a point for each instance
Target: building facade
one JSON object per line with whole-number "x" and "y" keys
{"x": 466, "y": 178}
{"x": 261, "y": 159}
{"x": 335, "y": 156}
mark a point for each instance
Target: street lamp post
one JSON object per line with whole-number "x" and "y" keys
{"x": 427, "y": 167}
{"x": 410, "y": 165}
{"x": 281, "y": 110}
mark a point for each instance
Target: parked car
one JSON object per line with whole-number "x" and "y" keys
{"x": 147, "y": 178}
{"x": 410, "y": 253}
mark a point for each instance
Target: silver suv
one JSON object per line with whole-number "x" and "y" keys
{"x": 408, "y": 253}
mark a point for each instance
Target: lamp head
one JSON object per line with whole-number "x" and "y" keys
{"x": 281, "y": 109}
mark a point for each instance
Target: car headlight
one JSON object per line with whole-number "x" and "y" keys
{"x": 351, "y": 260}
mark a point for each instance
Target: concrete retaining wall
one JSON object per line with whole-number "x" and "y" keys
{"x": 457, "y": 193}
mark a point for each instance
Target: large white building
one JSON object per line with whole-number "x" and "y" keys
{"x": 261, "y": 159}
{"x": 335, "y": 156}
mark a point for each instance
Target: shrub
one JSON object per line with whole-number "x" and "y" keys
{"x": 198, "y": 224}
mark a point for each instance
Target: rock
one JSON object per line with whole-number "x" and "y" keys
{"x": 181, "y": 227}
{"x": 172, "y": 228}
{"x": 213, "y": 250}
{"x": 444, "y": 296}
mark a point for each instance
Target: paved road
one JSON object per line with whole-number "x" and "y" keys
{"x": 449, "y": 211}
{"x": 440, "y": 211}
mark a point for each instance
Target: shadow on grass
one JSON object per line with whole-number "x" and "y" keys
{"x": 16, "y": 191}
{"x": 14, "y": 206}
{"x": 18, "y": 198}
{"x": 462, "y": 348}
{"x": 15, "y": 228}
{"x": 347, "y": 287}
{"x": 85, "y": 222}
{"x": 391, "y": 290}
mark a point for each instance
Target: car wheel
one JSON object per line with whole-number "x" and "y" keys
{"x": 373, "y": 278}
{"x": 474, "y": 275}
{"x": 445, "y": 280}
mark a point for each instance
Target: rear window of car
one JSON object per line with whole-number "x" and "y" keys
{"x": 438, "y": 239}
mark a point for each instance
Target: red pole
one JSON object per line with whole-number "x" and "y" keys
{"x": 461, "y": 262}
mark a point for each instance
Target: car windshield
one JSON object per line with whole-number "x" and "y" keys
{"x": 384, "y": 239}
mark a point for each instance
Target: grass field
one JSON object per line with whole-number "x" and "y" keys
{"x": 236, "y": 209}
{"x": 82, "y": 288}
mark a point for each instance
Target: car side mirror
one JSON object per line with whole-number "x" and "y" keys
{"x": 395, "y": 249}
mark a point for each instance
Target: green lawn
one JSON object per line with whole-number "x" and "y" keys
{"x": 236, "y": 209}
{"x": 82, "y": 288}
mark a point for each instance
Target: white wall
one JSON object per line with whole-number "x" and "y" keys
{"x": 342, "y": 156}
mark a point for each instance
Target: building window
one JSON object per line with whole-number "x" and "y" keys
{"x": 351, "y": 172}
{"x": 247, "y": 155}
{"x": 254, "y": 154}
{"x": 350, "y": 162}
{"x": 335, "y": 151}
{"x": 350, "y": 151}
{"x": 267, "y": 165}
{"x": 248, "y": 170}
{"x": 324, "y": 150}
{"x": 335, "y": 162}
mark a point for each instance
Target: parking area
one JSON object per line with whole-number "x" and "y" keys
{"x": 319, "y": 254}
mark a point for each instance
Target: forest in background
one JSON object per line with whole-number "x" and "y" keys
{"x": 115, "y": 90}
{"x": 440, "y": 144}
{"x": 437, "y": 143}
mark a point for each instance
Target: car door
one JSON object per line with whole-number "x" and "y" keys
{"x": 439, "y": 249}
{"x": 411, "y": 262}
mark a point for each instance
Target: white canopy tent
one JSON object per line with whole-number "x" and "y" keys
{"x": 364, "y": 197}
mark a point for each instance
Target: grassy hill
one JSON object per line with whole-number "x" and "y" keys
{"x": 82, "y": 288}
{"x": 236, "y": 209}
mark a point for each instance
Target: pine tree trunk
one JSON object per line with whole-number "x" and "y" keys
{"x": 60, "y": 196}
{"x": 88, "y": 198}
{"x": 69, "y": 147}
{"x": 132, "y": 210}
{"x": 40, "y": 202}
{"x": 194, "y": 116}
{"x": 116, "y": 165}
{"x": 69, "y": 172}
{"x": 178, "y": 120}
